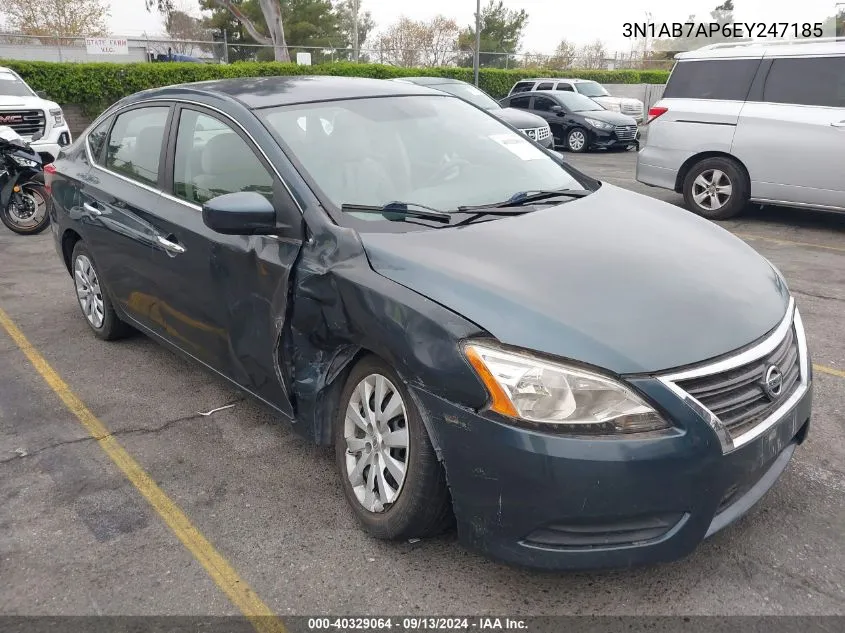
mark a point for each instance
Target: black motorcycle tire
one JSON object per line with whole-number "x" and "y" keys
{"x": 6, "y": 217}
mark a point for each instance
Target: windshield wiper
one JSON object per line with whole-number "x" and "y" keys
{"x": 402, "y": 208}
{"x": 527, "y": 197}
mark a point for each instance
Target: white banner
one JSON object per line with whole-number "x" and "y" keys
{"x": 106, "y": 46}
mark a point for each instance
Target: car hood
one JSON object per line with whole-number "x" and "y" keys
{"x": 519, "y": 119}
{"x": 25, "y": 103}
{"x": 618, "y": 101}
{"x": 614, "y": 118}
{"x": 616, "y": 280}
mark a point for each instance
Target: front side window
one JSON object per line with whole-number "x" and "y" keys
{"x": 97, "y": 140}
{"x": 818, "y": 81}
{"x": 724, "y": 79}
{"x": 134, "y": 145}
{"x": 543, "y": 104}
{"x": 437, "y": 151}
{"x": 211, "y": 159}
{"x": 591, "y": 89}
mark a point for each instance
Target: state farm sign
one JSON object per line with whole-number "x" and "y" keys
{"x": 106, "y": 46}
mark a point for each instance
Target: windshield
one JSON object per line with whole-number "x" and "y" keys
{"x": 471, "y": 94}
{"x": 11, "y": 86}
{"x": 429, "y": 150}
{"x": 591, "y": 89}
{"x": 578, "y": 103}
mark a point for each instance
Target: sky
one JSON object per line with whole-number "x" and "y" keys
{"x": 549, "y": 21}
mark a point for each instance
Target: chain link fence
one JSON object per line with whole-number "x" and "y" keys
{"x": 57, "y": 48}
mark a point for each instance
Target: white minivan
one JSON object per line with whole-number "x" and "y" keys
{"x": 751, "y": 122}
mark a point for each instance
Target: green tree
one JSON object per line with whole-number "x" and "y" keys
{"x": 345, "y": 11}
{"x": 57, "y": 18}
{"x": 501, "y": 32}
{"x": 271, "y": 32}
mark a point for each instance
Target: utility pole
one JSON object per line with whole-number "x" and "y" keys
{"x": 477, "y": 41}
{"x": 355, "y": 30}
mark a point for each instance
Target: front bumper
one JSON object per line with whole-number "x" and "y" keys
{"x": 607, "y": 139}
{"x": 555, "y": 502}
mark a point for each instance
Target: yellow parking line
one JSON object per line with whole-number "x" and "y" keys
{"x": 775, "y": 240}
{"x": 829, "y": 370}
{"x": 220, "y": 571}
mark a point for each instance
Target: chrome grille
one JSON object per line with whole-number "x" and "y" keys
{"x": 538, "y": 133}
{"x": 626, "y": 132}
{"x": 24, "y": 122}
{"x": 737, "y": 396}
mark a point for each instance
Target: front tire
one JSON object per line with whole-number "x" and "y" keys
{"x": 577, "y": 140}
{"x": 390, "y": 474}
{"x": 716, "y": 188}
{"x": 30, "y": 214}
{"x": 93, "y": 299}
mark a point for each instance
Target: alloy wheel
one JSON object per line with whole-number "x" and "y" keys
{"x": 28, "y": 210}
{"x": 577, "y": 140}
{"x": 712, "y": 189}
{"x": 377, "y": 442}
{"x": 88, "y": 291}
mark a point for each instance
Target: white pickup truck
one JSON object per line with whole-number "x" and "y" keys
{"x": 29, "y": 114}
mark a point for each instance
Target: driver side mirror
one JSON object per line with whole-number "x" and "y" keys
{"x": 240, "y": 213}
{"x": 41, "y": 94}
{"x": 557, "y": 109}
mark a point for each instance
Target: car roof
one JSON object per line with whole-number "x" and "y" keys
{"x": 788, "y": 48}
{"x": 431, "y": 81}
{"x": 265, "y": 92}
{"x": 575, "y": 81}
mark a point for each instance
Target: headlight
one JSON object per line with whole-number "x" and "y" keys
{"x": 598, "y": 124}
{"x": 58, "y": 117}
{"x": 566, "y": 398}
{"x": 24, "y": 162}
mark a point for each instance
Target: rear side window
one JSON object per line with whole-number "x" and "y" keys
{"x": 727, "y": 79}
{"x": 565, "y": 87}
{"x": 134, "y": 147}
{"x": 547, "y": 85}
{"x": 818, "y": 81}
{"x": 97, "y": 140}
{"x": 523, "y": 86}
{"x": 520, "y": 102}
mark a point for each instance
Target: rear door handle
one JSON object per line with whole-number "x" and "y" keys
{"x": 91, "y": 209}
{"x": 171, "y": 247}
{"x": 838, "y": 124}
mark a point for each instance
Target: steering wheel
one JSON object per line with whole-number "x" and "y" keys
{"x": 448, "y": 170}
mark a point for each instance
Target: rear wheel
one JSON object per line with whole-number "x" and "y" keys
{"x": 390, "y": 473}
{"x": 93, "y": 299}
{"x": 716, "y": 188}
{"x": 27, "y": 212}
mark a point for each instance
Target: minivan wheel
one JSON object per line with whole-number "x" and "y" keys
{"x": 93, "y": 299}
{"x": 391, "y": 476}
{"x": 716, "y": 188}
{"x": 577, "y": 140}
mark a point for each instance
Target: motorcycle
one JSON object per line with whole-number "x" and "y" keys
{"x": 24, "y": 199}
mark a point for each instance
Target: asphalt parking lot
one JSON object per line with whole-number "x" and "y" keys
{"x": 78, "y": 538}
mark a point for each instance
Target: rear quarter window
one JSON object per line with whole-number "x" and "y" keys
{"x": 723, "y": 79}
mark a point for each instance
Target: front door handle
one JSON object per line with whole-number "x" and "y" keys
{"x": 171, "y": 247}
{"x": 838, "y": 124}
{"x": 91, "y": 209}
